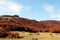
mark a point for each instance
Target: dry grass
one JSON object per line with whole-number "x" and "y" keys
{"x": 38, "y": 36}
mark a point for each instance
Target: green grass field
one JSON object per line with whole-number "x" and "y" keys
{"x": 35, "y": 36}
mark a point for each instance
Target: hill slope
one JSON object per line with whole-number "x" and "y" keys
{"x": 16, "y": 23}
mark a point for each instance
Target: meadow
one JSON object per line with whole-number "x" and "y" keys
{"x": 35, "y": 36}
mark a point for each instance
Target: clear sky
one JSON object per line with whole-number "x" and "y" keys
{"x": 32, "y": 9}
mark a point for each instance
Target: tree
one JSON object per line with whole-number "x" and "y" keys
{"x": 16, "y": 16}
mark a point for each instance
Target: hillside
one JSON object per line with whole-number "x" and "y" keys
{"x": 16, "y": 23}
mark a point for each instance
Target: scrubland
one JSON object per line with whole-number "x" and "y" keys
{"x": 35, "y": 36}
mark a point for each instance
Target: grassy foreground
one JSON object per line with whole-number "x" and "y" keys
{"x": 35, "y": 36}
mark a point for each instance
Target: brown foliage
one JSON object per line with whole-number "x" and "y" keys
{"x": 16, "y": 23}
{"x": 13, "y": 35}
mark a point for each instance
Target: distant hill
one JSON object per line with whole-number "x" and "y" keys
{"x": 16, "y": 23}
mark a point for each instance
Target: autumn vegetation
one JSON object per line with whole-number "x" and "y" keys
{"x": 10, "y": 23}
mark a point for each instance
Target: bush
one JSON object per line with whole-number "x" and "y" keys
{"x": 30, "y": 34}
{"x": 21, "y": 37}
{"x": 37, "y": 34}
{"x": 34, "y": 39}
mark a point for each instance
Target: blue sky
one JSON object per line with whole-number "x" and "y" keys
{"x": 31, "y": 9}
